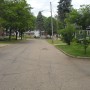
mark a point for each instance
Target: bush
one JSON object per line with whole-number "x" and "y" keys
{"x": 68, "y": 33}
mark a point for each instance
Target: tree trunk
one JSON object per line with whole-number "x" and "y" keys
{"x": 69, "y": 43}
{"x": 16, "y": 34}
{"x": 85, "y": 42}
{"x": 10, "y": 34}
{"x": 6, "y": 31}
{"x": 85, "y": 48}
{"x": 21, "y": 35}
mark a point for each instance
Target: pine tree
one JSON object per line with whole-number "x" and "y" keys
{"x": 40, "y": 22}
{"x": 64, "y": 7}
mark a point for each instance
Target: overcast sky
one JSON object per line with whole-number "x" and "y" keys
{"x": 39, "y": 5}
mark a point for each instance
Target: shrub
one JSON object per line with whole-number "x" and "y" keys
{"x": 68, "y": 33}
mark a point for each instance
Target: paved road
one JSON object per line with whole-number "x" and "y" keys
{"x": 37, "y": 65}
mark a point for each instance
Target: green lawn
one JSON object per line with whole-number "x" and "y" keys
{"x": 74, "y": 49}
{"x": 13, "y": 39}
{"x": 56, "y": 42}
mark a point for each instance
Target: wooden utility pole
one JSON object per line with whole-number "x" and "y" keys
{"x": 51, "y": 20}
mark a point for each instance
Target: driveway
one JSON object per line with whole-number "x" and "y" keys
{"x": 37, "y": 65}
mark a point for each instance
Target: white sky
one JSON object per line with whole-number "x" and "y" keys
{"x": 39, "y": 5}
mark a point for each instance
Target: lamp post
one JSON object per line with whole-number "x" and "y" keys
{"x": 51, "y": 20}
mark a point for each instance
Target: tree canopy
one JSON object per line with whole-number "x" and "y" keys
{"x": 48, "y": 26}
{"x": 64, "y": 7}
{"x": 16, "y": 15}
{"x": 40, "y": 22}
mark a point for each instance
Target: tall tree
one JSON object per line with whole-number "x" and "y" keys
{"x": 40, "y": 22}
{"x": 64, "y": 7}
{"x": 84, "y": 19}
{"x": 2, "y": 7}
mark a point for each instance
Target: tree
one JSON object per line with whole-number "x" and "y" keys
{"x": 40, "y": 22}
{"x": 2, "y": 7}
{"x": 48, "y": 26}
{"x": 64, "y": 7}
{"x": 84, "y": 12}
{"x": 68, "y": 33}
{"x": 16, "y": 15}
{"x": 32, "y": 22}
{"x": 84, "y": 21}
{"x": 73, "y": 17}
{"x": 24, "y": 17}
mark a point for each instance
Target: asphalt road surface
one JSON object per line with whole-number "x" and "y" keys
{"x": 37, "y": 65}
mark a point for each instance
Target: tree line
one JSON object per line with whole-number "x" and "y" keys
{"x": 16, "y": 16}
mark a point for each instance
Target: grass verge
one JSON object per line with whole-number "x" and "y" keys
{"x": 12, "y": 41}
{"x": 73, "y": 49}
{"x": 57, "y": 42}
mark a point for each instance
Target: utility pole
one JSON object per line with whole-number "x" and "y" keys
{"x": 51, "y": 20}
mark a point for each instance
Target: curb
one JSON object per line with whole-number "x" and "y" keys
{"x": 78, "y": 57}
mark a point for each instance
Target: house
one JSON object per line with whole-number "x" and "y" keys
{"x": 80, "y": 34}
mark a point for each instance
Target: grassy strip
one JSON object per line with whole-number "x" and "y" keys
{"x": 55, "y": 42}
{"x": 12, "y": 41}
{"x": 74, "y": 49}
